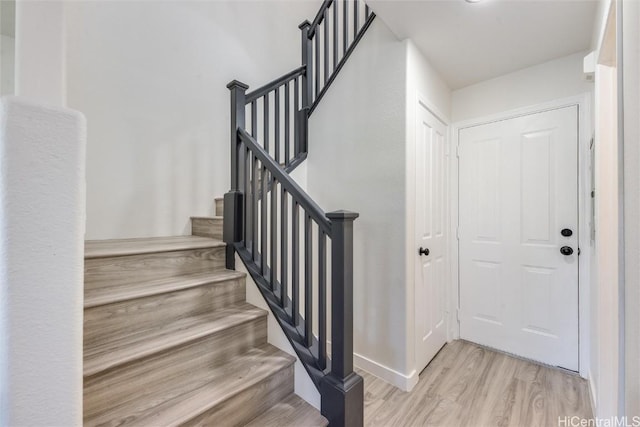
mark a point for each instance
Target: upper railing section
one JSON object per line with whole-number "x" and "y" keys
{"x": 328, "y": 41}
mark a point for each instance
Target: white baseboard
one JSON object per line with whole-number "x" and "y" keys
{"x": 395, "y": 378}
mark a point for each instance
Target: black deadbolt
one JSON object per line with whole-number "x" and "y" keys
{"x": 423, "y": 251}
{"x": 566, "y": 232}
{"x": 566, "y": 250}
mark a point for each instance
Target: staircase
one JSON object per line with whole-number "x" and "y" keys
{"x": 170, "y": 340}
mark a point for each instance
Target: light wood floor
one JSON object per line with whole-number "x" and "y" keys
{"x": 468, "y": 385}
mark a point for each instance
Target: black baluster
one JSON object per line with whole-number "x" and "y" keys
{"x": 356, "y": 17}
{"x": 284, "y": 246}
{"x": 264, "y": 176}
{"x": 287, "y": 128}
{"x": 345, "y": 27}
{"x": 335, "y": 34}
{"x": 325, "y": 31}
{"x": 317, "y": 61}
{"x": 308, "y": 282}
{"x": 265, "y": 123}
{"x": 274, "y": 232}
{"x": 322, "y": 298}
{"x": 276, "y": 136}
{"x": 254, "y": 209}
{"x": 295, "y": 263}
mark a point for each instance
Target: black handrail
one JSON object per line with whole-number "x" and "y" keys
{"x": 319, "y": 17}
{"x": 275, "y": 84}
{"x": 290, "y": 185}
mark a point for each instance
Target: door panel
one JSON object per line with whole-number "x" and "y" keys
{"x": 430, "y": 273}
{"x": 518, "y": 190}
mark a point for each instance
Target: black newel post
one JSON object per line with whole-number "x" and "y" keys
{"x": 342, "y": 391}
{"x": 233, "y": 200}
{"x": 307, "y": 88}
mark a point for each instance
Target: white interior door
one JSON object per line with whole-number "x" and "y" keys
{"x": 430, "y": 282}
{"x": 518, "y": 191}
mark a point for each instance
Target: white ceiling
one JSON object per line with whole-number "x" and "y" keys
{"x": 471, "y": 42}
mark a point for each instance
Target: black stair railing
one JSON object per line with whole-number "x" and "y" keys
{"x": 300, "y": 257}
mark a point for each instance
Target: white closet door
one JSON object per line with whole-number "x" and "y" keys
{"x": 518, "y": 268}
{"x": 430, "y": 281}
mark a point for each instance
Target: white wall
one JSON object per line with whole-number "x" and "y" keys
{"x": 7, "y": 64}
{"x": 358, "y": 156}
{"x": 42, "y": 206}
{"x": 156, "y": 102}
{"x": 40, "y": 51}
{"x": 358, "y": 134}
{"x": 560, "y": 78}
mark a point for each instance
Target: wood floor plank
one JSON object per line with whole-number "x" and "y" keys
{"x": 290, "y": 412}
{"x": 470, "y": 385}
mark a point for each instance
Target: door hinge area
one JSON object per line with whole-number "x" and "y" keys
{"x": 458, "y": 315}
{"x": 458, "y": 151}
{"x": 458, "y": 233}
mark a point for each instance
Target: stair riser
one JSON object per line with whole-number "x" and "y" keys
{"x": 207, "y": 227}
{"x": 107, "y": 321}
{"x": 150, "y": 375}
{"x": 111, "y": 271}
{"x": 219, "y": 207}
{"x": 245, "y": 406}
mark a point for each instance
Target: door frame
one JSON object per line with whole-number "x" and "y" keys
{"x": 585, "y": 132}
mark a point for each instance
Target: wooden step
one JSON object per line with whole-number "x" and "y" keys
{"x": 127, "y": 291}
{"x": 132, "y": 308}
{"x": 290, "y": 412}
{"x": 115, "y": 262}
{"x": 207, "y": 226}
{"x": 227, "y": 395}
{"x": 219, "y": 206}
{"x": 103, "y": 355}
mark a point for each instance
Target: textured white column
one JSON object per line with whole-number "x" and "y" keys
{"x": 42, "y": 219}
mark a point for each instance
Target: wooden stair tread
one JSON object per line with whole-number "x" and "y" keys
{"x": 208, "y": 217}
{"x": 290, "y": 412}
{"x": 122, "y": 247}
{"x": 144, "y": 343}
{"x": 190, "y": 395}
{"x": 137, "y": 289}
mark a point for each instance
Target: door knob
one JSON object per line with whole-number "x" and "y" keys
{"x": 566, "y": 250}
{"x": 566, "y": 232}
{"x": 423, "y": 251}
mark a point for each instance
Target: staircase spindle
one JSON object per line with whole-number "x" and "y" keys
{"x": 276, "y": 135}
{"x": 356, "y": 17}
{"x": 254, "y": 210}
{"x": 335, "y": 35}
{"x": 287, "y": 128}
{"x": 263, "y": 219}
{"x": 322, "y": 299}
{"x": 295, "y": 263}
{"x": 325, "y": 31}
{"x": 345, "y": 27}
{"x": 265, "y": 121}
{"x": 317, "y": 64}
{"x": 308, "y": 282}
{"x": 284, "y": 247}
{"x": 274, "y": 232}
